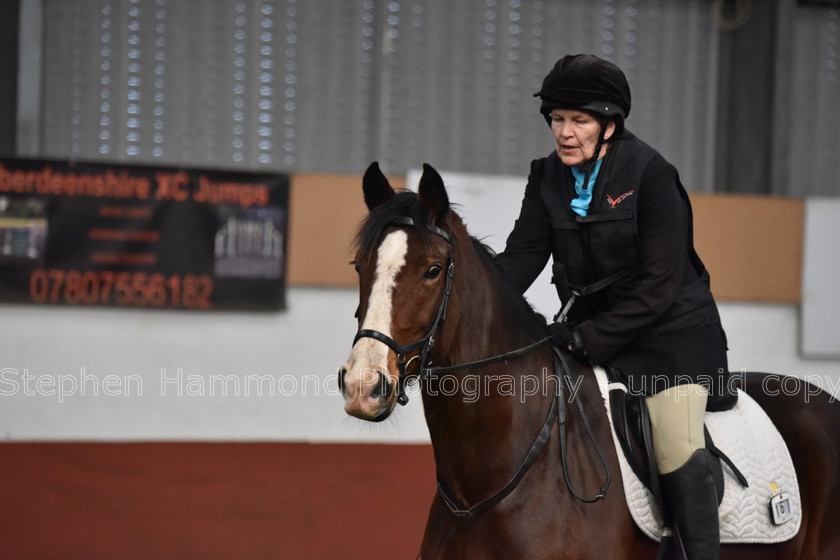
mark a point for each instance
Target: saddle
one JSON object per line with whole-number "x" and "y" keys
{"x": 632, "y": 427}
{"x": 767, "y": 510}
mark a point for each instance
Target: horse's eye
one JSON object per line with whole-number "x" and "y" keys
{"x": 433, "y": 272}
{"x": 355, "y": 266}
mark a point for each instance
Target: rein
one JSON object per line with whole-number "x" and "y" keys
{"x": 475, "y": 511}
{"x": 426, "y": 372}
{"x": 556, "y": 412}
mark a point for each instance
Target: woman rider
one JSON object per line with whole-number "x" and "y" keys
{"x": 612, "y": 213}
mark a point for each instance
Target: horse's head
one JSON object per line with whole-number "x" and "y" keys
{"x": 404, "y": 259}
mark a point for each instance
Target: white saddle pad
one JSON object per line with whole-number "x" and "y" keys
{"x": 748, "y": 437}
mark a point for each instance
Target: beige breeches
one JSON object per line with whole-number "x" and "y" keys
{"x": 676, "y": 417}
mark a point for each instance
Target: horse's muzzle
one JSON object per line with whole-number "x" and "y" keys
{"x": 368, "y": 394}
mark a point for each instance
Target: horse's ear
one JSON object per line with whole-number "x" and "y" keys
{"x": 376, "y": 187}
{"x": 433, "y": 194}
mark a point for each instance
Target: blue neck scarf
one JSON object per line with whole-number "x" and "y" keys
{"x": 580, "y": 205}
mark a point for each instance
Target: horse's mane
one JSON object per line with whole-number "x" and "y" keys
{"x": 511, "y": 297}
{"x": 407, "y": 203}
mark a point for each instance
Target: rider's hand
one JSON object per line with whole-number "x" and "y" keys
{"x": 567, "y": 338}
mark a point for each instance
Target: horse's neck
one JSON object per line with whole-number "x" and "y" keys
{"x": 483, "y": 420}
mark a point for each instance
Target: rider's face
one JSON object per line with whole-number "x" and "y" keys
{"x": 576, "y": 135}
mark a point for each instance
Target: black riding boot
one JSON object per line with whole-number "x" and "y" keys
{"x": 691, "y": 499}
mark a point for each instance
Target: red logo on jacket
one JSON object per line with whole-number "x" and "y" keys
{"x": 617, "y": 201}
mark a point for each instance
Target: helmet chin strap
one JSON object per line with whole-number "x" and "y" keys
{"x": 589, "y": 165}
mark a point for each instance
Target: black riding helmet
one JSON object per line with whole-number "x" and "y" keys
{"x": 588, "y": 83}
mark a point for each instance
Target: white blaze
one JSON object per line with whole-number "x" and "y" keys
{"x": 390, "y": 260}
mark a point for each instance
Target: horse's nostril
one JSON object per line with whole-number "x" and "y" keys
{"x": 382, "y": 389}
{"x": 342, "y": 371}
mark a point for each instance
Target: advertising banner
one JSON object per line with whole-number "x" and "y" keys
{"x": 96, "y": 234}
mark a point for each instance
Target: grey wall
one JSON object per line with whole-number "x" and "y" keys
{"x": 328, "y": 85}
{"x": 740, "y": 101}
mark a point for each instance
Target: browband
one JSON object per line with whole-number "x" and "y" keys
{"x": 409, "y": 222}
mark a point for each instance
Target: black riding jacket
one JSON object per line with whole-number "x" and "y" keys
{"x": 632, "y": 256}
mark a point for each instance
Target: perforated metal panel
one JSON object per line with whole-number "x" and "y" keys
{"x": 328, "y": 85}
{"x": 181, "y": 82}
{"x": 461, "y": 76}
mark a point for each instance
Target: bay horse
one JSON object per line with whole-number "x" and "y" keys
{"x": 520, "y": 475}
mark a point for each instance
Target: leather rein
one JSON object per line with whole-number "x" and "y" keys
{"x": 556, "y": 412}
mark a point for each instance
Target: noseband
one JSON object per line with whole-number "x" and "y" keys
{"x": 426, "y": 343}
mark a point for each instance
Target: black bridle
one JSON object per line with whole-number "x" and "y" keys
{"x": 557, "y": 411}
{"x": 426, "y": 343}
